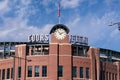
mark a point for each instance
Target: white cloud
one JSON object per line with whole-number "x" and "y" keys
{"x": 4, "y": 7}
{"x": 94, "y": 27}
{"x": 70, "y": 3}
{"x": 46, "y": 28}
{"x": 3, "y": 4}
{"x": 26, "y": 2}
{"x": 109, "y": 2}
{"x": 115, "y": 34}
{"x": 46, "y": 2}
{"x": 75, "y": 21}
{"x": 76, "y": 3}
{"x": 16, "y": 28}
{"x": 92, "y": 2}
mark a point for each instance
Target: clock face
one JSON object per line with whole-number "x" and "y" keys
{"x": 60, "y": 33}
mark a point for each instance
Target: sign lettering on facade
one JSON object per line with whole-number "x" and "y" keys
{"x": 44, "y": 38}
{"x": 78, "y": 40}
{"x": 40, "y": 38}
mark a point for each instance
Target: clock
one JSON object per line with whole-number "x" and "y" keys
{"x": 60, "y": 33}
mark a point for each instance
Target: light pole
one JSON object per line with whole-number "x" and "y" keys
{"x": 117, "y": 23}
{"x": 13, "y": 74}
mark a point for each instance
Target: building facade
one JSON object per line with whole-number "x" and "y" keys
{"x": 59, "y": 59}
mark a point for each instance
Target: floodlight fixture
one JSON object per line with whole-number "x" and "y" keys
{"x": 117, "y": 23}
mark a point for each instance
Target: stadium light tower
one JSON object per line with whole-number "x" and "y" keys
{"x": 112, "y": 24}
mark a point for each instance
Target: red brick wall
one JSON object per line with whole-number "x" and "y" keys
{"x": 82, "y": 62}
{"x": 59, "y": 54}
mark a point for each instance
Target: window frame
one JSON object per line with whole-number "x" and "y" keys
{"x": 74, "y": 71}
{"x": 3, "y": 74}
{"x": 19, "y": 72}
{"x": 60, "y": 71}
{"x": 29, "y": 74}
{"x": 87, "y": 73}
{"x": 36, "y": 71}
{"x": 8, "y": 73}
{"x": 44, "y": 71}
{"x": 81, "y": 72}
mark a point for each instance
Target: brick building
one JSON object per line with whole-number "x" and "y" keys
{"x": 59, "y": 59}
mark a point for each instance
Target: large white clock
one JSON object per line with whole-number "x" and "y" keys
{"x": 60, "y": 33}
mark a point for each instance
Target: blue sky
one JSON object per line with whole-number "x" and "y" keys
{"x": 90, "y": 18}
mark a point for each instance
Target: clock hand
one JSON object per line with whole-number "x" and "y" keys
{"x": 58, "y": 31}
{"x": 62, "y": 32}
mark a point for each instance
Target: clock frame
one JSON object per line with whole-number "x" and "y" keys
{"x": 60, "y": 33}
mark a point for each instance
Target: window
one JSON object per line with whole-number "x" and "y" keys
{"x": 109, "y": 76}
{"x": 112, "y": 76}
{"x": 3, "y": 74}
{"x": 29, "y": 71}
{"x": 36, "y": 71}
{"x": 115, "y": 76}
{"x": 0, "y": 74}
{"x": 1, "y": 55}
{"x": 100, "y": 75}
{"x": 103, "y": 75}
{"x": 74, "y": 51}
{"x": 19, "y": 72}
{"x": 11, "y": 72}
{"x": 81, "y": 72}
{"x": 74, "y": 71}
{"x": 106, "y": 75}
{"x": 8, "y": 73}
{"x": 44, "y": 71}
{"x": 87, "y": 73}
{"x": 60, "y": 71}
